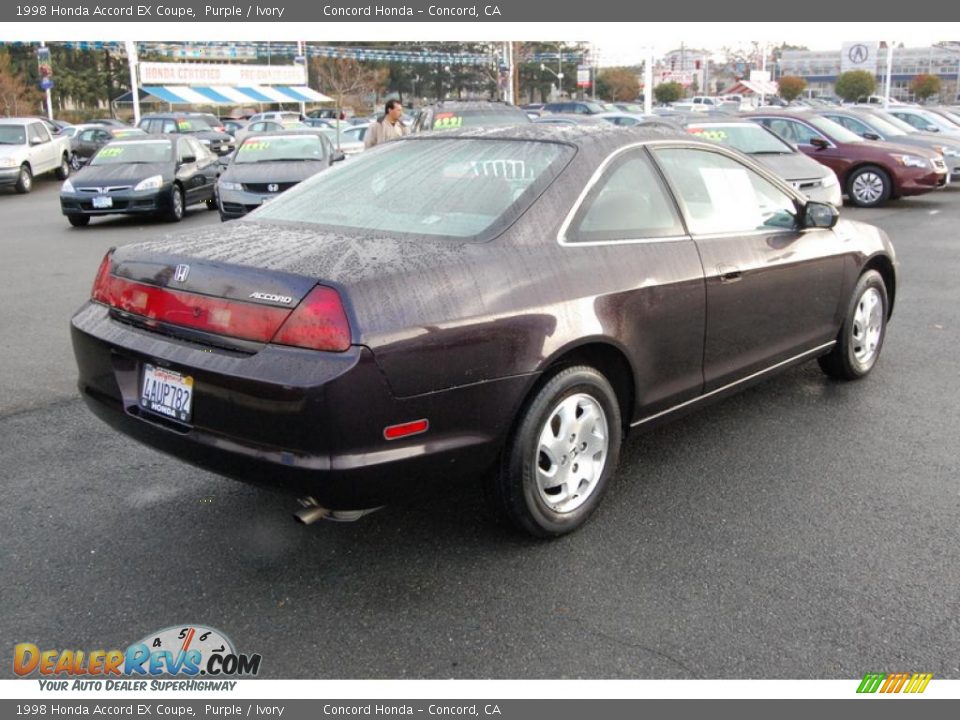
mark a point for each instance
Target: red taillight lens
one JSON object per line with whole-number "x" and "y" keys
{"x": 319, "y": 323}
{"x": 103, "y": 274}
{"x": 241, "y": 320}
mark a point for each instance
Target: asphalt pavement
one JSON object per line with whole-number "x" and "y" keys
{"x": 803, "y": 529}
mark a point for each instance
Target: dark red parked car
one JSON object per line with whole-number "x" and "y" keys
{"x": 870, "y": 172}
{"x": 496, "y": 305}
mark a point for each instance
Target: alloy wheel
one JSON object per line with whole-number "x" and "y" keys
{"x": 571, "y": 452}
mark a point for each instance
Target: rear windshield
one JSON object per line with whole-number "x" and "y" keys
{"x": 456, "y": 188}
{"x": 748, "y": 138}
{"x": 276, "y": 148}
{"x": 118, "y": 153}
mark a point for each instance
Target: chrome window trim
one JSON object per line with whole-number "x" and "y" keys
{"x": 733, "y": 384}
{"x": 675, "y": 143}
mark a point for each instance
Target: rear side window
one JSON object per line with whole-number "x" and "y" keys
{"x": 629, "y": 202}
{"x": 791, "y": 130}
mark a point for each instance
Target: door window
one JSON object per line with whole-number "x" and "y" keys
{"x": 38, "y": 132}
{"x": 719, "y": 195}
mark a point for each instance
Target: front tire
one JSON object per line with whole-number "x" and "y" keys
{"x": 25, "y": 180}
{"x": 869, "y": 187}
{"x": 63, "y": 172}
{"x": 175, "y": 211}
{"x": 79, "y": 220}
{"x": 864, "y": 328}
{"x": 558, "y": 463}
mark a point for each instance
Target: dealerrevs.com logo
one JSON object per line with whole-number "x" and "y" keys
{"x": 891, "y": 683}
{"x": 186, "y": 652}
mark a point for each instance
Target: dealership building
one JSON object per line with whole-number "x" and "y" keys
{"x": 821, "y": 68}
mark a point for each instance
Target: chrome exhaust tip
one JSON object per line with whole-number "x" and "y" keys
{"x": 311, "y": 511}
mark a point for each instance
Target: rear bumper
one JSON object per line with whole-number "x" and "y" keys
{"x": 304, "y": 422}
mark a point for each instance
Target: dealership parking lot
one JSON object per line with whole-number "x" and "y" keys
{"x": 804, "y": 528}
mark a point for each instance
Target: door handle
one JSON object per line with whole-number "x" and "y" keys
{"x": 729, "y": 273}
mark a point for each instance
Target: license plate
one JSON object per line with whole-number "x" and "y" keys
{"x": 102, "y": 201}
{"x": 167, "y": 392}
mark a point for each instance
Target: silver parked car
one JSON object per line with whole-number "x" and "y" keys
{"x": 816, "y": 181}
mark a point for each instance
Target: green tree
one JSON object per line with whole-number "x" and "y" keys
{"x": 855, "y": 84}
{"x": 668, "y": 92}
{"x": 618, "y": 84}
{"x": 924, "y": 86}
{"x": 792, "y": 87}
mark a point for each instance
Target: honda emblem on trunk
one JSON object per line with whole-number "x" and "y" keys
{"x": 180, "y": 274}
{"x": 273, "y": 187}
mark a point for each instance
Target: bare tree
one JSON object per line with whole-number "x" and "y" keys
{"x": 340, "y": 77}
{"x": 16, "y": 96}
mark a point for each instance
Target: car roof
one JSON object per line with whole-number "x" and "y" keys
{"x": 481, "y": 105}
{"x": 301, "y": 132}
{"x": 585, "y": 135}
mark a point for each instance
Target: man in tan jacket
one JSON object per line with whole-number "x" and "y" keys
{"x": 388, "y": 127}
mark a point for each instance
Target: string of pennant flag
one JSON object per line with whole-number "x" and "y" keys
{"x": 251, "y": 50}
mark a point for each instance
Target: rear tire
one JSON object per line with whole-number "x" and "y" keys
{"x": 869, "y": 187}
{"x": 79, "y": 220}
{"x": 864, "y": 328}
{"x": 25, "y": 180}
{"x": 564, "y": 451}
{"x": 175, "y": 211}
{"x": 63, "y": 172}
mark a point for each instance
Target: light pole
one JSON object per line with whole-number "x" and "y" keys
{"x": 558, "y": 76}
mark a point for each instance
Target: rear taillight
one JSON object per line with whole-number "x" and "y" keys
{"x": 103, "y": 274}
{"x": 319, "y": 322}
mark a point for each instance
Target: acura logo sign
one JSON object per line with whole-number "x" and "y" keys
{"x": 858, "y": 54}
{"x": 180, "y": 274}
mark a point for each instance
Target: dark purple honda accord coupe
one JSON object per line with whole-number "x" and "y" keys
{"x": 492, "y": 305}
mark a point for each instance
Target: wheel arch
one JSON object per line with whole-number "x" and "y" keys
{"x": 606, "y": 356}
{"x": 883, "y": 265}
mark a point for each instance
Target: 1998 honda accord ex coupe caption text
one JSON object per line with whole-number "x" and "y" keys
{"x": 490, "y": 305}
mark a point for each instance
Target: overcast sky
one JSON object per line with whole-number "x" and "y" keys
{"x": 624, "y": 45}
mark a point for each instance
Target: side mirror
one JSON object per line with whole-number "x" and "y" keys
{"x": 35, "y": 141}
{"x": 339, "y": 156}
{"x": 872, "y": 136}
{"x": 819, "y": 143}
{"x": 820, "y": 215}
{"x": 187, "y": 159}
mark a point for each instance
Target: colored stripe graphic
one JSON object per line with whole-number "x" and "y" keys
{"x": 913, "y": 683}
{"x": 871, "y": 682}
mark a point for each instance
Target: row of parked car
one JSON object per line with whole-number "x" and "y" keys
{"x": 173, "y": 160}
